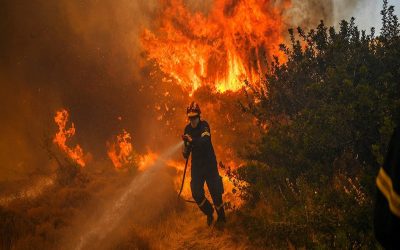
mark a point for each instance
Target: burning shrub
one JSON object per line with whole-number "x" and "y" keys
{"x": 75, "y": 153}
{"x": 68, "y": 171}
{"x": 325, "y": 118}
{"x": 121, "y": 152}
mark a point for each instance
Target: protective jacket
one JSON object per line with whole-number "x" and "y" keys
{"x": 387, "y": 207}
{"x": 204, "y": 169}
{"x": 203, "y": 155}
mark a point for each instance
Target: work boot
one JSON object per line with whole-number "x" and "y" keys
{"x": 221, "y": 214}
{"x": 210, "y": 219}
{"x": 221, "y": 217}
{"x": 220, "y": 223}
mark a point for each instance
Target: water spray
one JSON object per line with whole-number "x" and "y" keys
{"x": 118, "y": 208}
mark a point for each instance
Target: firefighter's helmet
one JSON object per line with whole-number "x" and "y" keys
{"x": 193, "y": 110}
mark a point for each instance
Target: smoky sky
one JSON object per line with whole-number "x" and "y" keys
{"x": 85, "y": 56}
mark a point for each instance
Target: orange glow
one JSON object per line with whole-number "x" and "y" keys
{"x": 121, "y": 152}
{"x": 60, "y": 139}
{"x": 147, "y": 160}
{"x": 220, "y": 49}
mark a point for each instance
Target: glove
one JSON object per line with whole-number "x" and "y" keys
{"x": 186, "y": 150}
{"x": 187, "y": 145}
{"x": 186, "y": 153}
{"x": 187, "y": 138}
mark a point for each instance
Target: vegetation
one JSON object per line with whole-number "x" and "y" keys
{"x": 48, "y": 220}
{"x": 327, "y": 116}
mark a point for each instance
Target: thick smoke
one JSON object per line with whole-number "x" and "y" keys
{"x": 83, "y": 56}
{"x": 308, "y": 14}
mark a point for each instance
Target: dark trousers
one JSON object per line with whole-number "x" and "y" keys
{"x": 214, "y": 183}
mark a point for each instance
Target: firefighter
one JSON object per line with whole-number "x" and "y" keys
{"x": 387, "y": 207}
{"x": 197, "y": 141}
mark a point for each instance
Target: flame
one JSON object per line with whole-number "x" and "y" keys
{"x": 60, "y": 139}
{"x": 121, "y": 152}
{"x": 220, "y": 49}
{"x": 147, "y": 160}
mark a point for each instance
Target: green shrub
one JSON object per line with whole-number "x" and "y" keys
{"x": 327, "y": 114}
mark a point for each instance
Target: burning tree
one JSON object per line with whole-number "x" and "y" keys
{"x": 220, "y": 49}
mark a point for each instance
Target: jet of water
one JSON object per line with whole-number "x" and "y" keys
{"x": 119, "y": 207}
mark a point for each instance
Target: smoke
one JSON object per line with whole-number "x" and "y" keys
{"x": 345, "y": 9}
{"x": 83, "y": 56}
{"x": 308, "y": 14}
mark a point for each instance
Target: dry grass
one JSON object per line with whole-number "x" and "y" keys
{"x": 187, "y": 229}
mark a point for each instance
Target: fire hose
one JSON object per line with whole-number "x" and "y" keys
{"x": 183, "y": 181}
